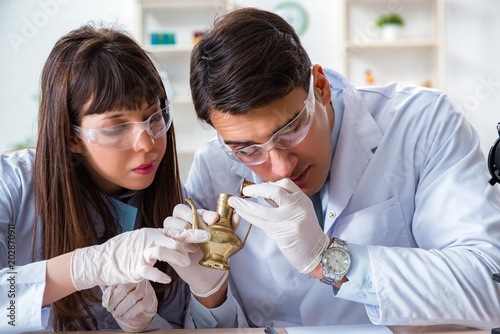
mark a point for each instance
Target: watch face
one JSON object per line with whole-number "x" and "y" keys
{"x": 336, "y": 261}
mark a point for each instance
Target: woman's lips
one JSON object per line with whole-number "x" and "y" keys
{"x": 145, "y": 169}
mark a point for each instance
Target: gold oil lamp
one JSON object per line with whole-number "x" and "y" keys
{"x": 224, "y": 243}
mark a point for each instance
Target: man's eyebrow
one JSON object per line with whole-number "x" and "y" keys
{"x": 251, "y": 142}
{"x": 238, "y": 143}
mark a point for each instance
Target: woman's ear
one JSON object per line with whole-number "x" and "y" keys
{"x": 75, "y": 144}
{"x": 321, "y": 85}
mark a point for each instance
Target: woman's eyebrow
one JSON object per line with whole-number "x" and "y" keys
{"x": 117, "y": 114}
{"x": 112, "y": 115}
{"x": 151, "y": 106}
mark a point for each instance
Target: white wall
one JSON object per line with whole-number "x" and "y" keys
{"x": 320, "y": 37}
{"x": 29, "y": 28}
{"x": 472, "y": 37}
{"x": 28, "y": 31}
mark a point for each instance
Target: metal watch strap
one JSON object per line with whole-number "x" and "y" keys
{"x": 339, "y": 243}
{"x": 328, "y": 280}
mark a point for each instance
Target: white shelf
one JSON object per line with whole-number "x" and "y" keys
{"x": 176, "y": 4}
{"x": 415, "y": 58}
{"x": 393, "y": 45}
{"x": 169, "y": 49}
{"x": 181, "y": 18}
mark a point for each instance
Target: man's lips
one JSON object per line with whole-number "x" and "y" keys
{"x": 300, "y": 177}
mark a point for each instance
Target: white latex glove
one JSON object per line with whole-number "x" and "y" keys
{"x": 292, "y": 224}
{"x": 130, "y": 257}
{"x": 202, "y": 280}
{"x": 133, "y": 305}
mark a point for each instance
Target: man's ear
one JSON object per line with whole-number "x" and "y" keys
{"x": 75, "y": 144}
{"x": 321, "y": 85}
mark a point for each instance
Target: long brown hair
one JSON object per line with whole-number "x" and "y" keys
{"x": 101, "y": 69}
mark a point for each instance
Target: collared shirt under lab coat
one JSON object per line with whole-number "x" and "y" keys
{"x": 408, "y": 180}
{"x": 26, "y": 294}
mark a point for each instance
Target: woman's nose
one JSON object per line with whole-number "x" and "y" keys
{"x": 145, "y": 142}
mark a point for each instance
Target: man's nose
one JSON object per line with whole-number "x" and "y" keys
{"x": 283, "y": 162}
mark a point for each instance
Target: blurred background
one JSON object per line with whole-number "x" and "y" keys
{"x": 452, "y": 45}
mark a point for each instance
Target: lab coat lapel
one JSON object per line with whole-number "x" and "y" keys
{"x": 127, "y": 214}
{"x": 244, "y": 172}
{"x": 358, "y": 141}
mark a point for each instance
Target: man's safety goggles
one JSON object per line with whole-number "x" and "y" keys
{"x": 285, "y": 138}
{"x": 126, "y": 135}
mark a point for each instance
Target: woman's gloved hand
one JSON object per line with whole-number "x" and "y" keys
{"x": 292, "y": 222}
{"x": 130, "y": 257}
{"x": 203, "y": 281}
{"x": 133, "y": 305}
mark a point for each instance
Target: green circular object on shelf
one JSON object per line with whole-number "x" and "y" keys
{"x": 294, "y": 14}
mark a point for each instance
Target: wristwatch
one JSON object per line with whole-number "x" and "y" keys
{"x": 336, "y": 262}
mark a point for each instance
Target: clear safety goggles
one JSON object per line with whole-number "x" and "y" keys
{"x": 124, "y": 136}
{"x": 287, "y": 137}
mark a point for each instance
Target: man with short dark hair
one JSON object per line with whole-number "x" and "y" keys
{"x": 371, "y": 204}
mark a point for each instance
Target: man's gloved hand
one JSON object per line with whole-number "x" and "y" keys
{"x": 133, "y": 305}
{"x": 292, "y": 224}
{"x": 130, "y": 257}
{"x": 203, "y": 281}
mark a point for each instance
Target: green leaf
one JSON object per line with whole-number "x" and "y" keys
{"x": 389, "y": 18}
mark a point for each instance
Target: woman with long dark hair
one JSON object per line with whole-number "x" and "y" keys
{"x": 93, "y": 195}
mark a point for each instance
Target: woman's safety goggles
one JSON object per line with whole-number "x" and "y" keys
{"x": 126, "y": 135}
{"x": 287, "y": 137}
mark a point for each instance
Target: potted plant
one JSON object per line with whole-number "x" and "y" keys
{"x": 390, "y": 24}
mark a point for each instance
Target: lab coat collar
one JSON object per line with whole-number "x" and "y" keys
{"x": 245, "y": 172}
{"x": 358, "y": 140}
{"x": 127, "y": 214}
{"x": 126, "y": 206}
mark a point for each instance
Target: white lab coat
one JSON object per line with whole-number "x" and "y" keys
{"x": 25, "y": 295}
{"x": 408, "y": 180}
